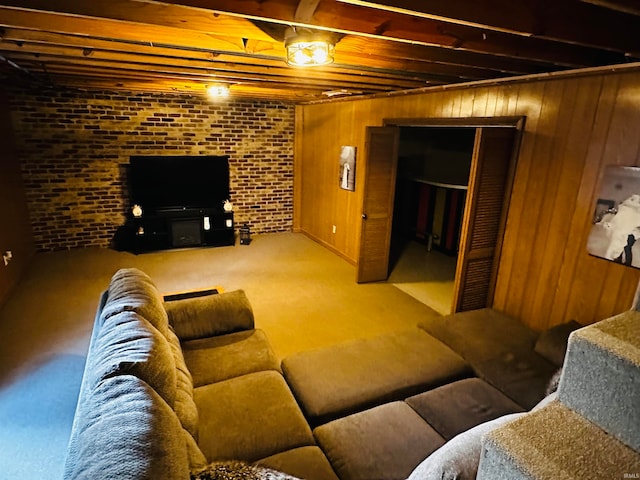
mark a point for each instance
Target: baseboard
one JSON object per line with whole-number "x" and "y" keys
{"x": 328, "y": 246}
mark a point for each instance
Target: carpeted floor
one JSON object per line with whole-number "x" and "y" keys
{"x": 303, "y": 296}
{"x": 426, "y": 275}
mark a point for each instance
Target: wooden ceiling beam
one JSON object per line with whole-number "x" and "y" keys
{"x": 172, "y": 86}
{"x": 367, "y": 48}
{"x": 557, "y": 20}
{"x": 130, "y": 61}
{"x": 160, "y": 37}
{"x": 403, "y": 76}
{"x": 357, "y": 20}
{"x": 383, "y": 45}
{"x": 63, "y": 64}
{"x": 199, "y": 16}
{"x": 305, "y": 10}
{"x": 626, "y": 6}
{"x": 355, "y": 51}
{"x": 27, "y": 37}
{"x": 248, "y": 91}
{"x": 148, "y": 13}
{"x": 188, "y": 86}
{"x": 163, "y": 37}
{"x": 118, "y": 30}
{"x": 395, "y": 65}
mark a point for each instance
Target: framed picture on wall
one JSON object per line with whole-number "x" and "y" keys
{"x": 348, "y": 168}
{"x": 615, "y": 231}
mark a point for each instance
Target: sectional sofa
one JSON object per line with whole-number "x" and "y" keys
{"x": 188, "y": 387}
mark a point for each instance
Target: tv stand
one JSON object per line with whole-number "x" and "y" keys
{"x": 179, "y": 227}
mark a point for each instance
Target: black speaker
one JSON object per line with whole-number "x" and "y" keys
{"x": 186, "y": 233}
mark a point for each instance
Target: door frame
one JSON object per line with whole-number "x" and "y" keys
{"x": 513, "y": 122}
{"x": 516, "y": 121}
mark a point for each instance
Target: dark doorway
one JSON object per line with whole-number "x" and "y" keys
{"x": 432, "y": 180}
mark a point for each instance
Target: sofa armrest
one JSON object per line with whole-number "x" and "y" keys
{"x": 210, "y": 315}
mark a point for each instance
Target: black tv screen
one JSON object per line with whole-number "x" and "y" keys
{"x": 179, "y": 181}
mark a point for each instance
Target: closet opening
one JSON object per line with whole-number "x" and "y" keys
{"x": 433, "y": 170}
{"x": 442, "y": 190}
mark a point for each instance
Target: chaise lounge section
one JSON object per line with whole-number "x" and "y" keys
{"x": 380, "y": 406}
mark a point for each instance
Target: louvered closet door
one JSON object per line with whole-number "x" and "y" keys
{"x": 485, "y": 213}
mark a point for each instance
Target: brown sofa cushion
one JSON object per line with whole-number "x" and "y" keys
{"x": 249, "y": 418}
{"x": 386, "y": 442}
{"x": 210, "y": 315}
{"x": 335, "y": 381}
{"x": 459, "y": 406}
{"x": 482, "y": 334}
{"x": 522, "y": 376}
{"x": 222, "y": 357}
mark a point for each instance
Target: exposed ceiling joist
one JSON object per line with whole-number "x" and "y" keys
{"x": 374, "y": 23}
{"x": 559, "y": 20}
{"x": 305, "y": 10}
{"x": 385, "y": 45}
{"x": 625, "y": 6}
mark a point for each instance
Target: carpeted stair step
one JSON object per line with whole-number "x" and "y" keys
{"x": 555, "y": 443}
{"x": 601, "y": 376}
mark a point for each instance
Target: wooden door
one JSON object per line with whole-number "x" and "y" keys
{"x": 484, "y": 218}
{"x": 377, "y": 206}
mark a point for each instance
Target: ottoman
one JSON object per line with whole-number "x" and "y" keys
{"x": 335, "y": 381}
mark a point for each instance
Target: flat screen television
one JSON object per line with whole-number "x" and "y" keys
{"x": 178, "y": 181}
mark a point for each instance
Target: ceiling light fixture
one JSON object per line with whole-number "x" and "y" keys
{"x": 217, "y": 91}
{"x": 308, "y": 49}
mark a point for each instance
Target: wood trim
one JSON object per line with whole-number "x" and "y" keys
{"x": 566, "y": 74}
{"x": 298, "y": 152}
{"x": 515, "y": 121}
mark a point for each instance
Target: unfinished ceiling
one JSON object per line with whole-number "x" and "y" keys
{"x": 382, "y": 46}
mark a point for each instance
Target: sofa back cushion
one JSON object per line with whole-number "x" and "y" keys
{"x": 127, "y": 344}
{"x": 127, "y": 431}
{"x": 132, "y": 290}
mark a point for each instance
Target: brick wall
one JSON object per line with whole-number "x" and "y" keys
{"x": 73, "y": 145}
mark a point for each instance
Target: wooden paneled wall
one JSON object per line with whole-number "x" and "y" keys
{"x": 575, "y": 125}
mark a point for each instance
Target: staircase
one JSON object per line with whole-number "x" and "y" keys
{"x": 592, "y": 429}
